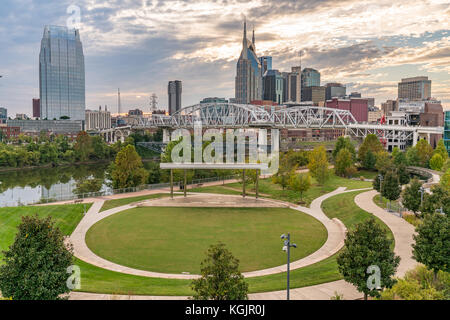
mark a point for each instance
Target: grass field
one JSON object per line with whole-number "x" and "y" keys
{"x": 109, "y": 204}
{"x": 66, "y": 217}
{"x": 174, "y": 240}
{"x": 275, "y": 191}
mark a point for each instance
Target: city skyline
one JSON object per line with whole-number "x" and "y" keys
{"x": 137, "y": 48}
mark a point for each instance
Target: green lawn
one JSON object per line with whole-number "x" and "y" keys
{"x": 275, "y": 191}
{"x": 174, "y": 240}
{"x": 345, "y": 209}
{"x": 66, "y": 218}
{"x": 367, "y": 174}
{"x": 109, "y": 204}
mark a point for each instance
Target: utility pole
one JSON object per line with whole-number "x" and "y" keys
{"x": 118, "y": 102}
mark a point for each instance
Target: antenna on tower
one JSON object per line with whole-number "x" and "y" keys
{"x": 119, "y": 106}
{"x": 153, "y": 102}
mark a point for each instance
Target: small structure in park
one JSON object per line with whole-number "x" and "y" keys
{"x": 222, "y": 166}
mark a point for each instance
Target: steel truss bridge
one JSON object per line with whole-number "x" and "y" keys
{"x": 230, "y": 115}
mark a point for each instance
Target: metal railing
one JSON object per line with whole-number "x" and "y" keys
{"x": 110, "y": 191}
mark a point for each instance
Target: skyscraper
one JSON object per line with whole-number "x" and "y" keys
{"x": 292, "y": 85}
{"x": 310, "y": 78}
{"x": 266, "y": 64}
{"x": 248, "y": 82}
{"x": 174, "y": 91}
{"x": 273, "y": 86}
{"x": 417, "y": 88}
{"x": 335, "y": 90}
{"x": 61, "y": 74}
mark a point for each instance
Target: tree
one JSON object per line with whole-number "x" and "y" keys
{"x": 445, "y": 180}
{"x": 88, "y": 186}
{"x": 344, "y": 160}
{"x": 371, "y": 143}
{"x": 424, "y": 152}
{"x": 441, "y": 150}
{"x": 35, "y": 266}
{"x": 369, "y": 161}
{"x": 318, "y": 165}
{"x": 383, "y": 162}
{"x": 127, "y": 170}
{"x": 403, "y": 174}
{"x": 391, "y": 188}
{"x": 83, "y": 146}
{"x": 220, "y": 277}
{"x": 411, "y": 196}
{"x": 283, "y": 174}
{"x": 432, "y": 243}
{"x": 377, "y": 183}
{"x": 300, "y": 183}
{"x": 365, "y": 246}
{"x": 439, "y": 198}
{"x": 436, "y": 162}
{"x": 344, "y": 143}
{"x": 412, "y": 157}
{"x": 399, "y": 158}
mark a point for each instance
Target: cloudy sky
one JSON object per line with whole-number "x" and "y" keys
{"x": 140, "y": 45}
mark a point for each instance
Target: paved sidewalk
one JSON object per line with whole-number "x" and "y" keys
{"x": 322, "y": 291}
{"x": 402, "y": 230}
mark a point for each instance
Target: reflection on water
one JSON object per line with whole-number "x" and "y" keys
{"x": 32, "y": 185}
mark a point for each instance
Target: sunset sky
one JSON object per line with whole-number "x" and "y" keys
{"x": 138, "y": 46}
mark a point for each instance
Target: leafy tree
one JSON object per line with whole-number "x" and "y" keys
{"x": 88, "y": 186}
{"x": 284, "y": 173}
{"x": 220, "y": 277}
{"x": 318, "y": 165}
{"x": 295, "y": 158}
{"x": 418, "y": 284}
{"x": 436, "y": 162}
{"x": 432, "y": 243}
{"x": 445, "y": 180}
{"x": 424, "y": 152}
{"x": 441, "y": 150}
{"x": 35, "y": 266}
{"x": 411, "y": 196}
{"x": 439, "y": 198}
{"x": 376, "y": 183}
{"x": 300, "y": 183}
{"x": 403, "y": 174}
{"x": 412, "y": 157}
{"x": 367, "y": 245}
{"x": 399, "y": 158}
{"x": 371, "y": 143}
{"x": 83, "y": 146}
{"x": 154, "y": 172}
{"x": 391, "y": 189}
{"x": 369, "y": 161}
{"x": 344, "y": 143}
{"x": 383, "y": 162}
{"x": 128, "y": 170}
{"x": 343, "y": 161}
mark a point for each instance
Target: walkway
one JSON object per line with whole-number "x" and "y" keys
{"x": 402, "y": 230}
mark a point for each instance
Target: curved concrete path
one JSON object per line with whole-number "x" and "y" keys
{"x": 402, "y": 230}
{"x": 335, "y": 240}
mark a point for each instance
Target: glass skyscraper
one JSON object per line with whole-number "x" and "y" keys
{"x": 310, "y": 78}
{"x": 61, "y": 74}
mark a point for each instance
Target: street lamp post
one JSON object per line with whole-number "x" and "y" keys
{"x": 287, "y": 247}
{"x": 421, "y": 190}
{"x": 380, "y": 177}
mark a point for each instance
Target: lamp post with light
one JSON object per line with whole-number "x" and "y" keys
{"x": 287, "y": 247}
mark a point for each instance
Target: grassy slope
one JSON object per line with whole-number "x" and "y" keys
{"x": 276, "y": 192}
{"x": 66, "y": 218}
{"x": 174, "y": 240}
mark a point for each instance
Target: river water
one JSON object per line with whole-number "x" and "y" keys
{"x": 29, "y": 186}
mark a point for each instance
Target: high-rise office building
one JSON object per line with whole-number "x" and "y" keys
{"x": 3, "y": 115}
{"x": 36, "y": 108}
{"x": 174, "y": 91}
{"x": 315, "y": 94}
{"x": 248, "y": 81}
{"x": 310, "y": 78}
{"x": 417, "y": 88}
{"x": 292, "y": 85}
{"x": 273, "y": 86}
{"x": 266, "y": 64}
{"x": 335, "y": 90}
{"x": 61, "y": 74}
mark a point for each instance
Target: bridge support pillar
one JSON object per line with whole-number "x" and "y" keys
{"x": 166, "y": 135}
{"x": 415, "y": 137}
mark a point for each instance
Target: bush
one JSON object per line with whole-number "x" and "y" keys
{"x": 412, "y": 219}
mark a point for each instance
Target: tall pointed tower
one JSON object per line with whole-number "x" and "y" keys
{"x": 248, "y": 81}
